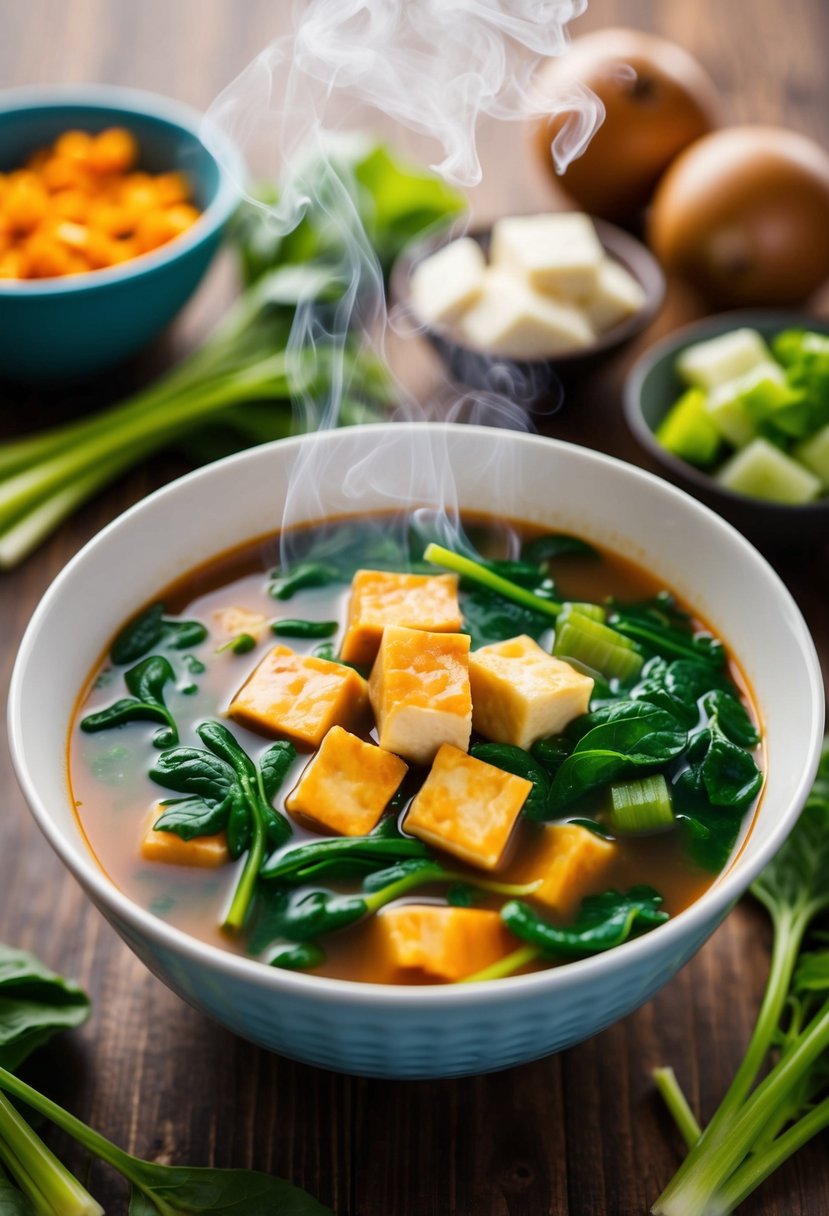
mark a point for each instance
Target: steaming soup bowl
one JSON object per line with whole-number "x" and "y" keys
{"x": 429, "y": 1031}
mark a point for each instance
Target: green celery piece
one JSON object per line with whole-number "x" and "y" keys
{"x": 761, "y": 470}
{"x": 814, "y": 454}
{"x": 640, "y": 806}
{"x": 734, "y": 407}
{"x": 597, "y": 646}
{"x": 688, "y": 432}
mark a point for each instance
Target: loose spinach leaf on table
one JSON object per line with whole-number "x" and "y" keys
{"x": 151, "y": 629}
{"x": 178, "y": 1190}
{"x": 35, "y": 1003}
{"x": 602, "y": 921}
{"x": 146, "y": 682}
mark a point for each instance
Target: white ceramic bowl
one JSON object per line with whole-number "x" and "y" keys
{"x": 422, "y": 1031}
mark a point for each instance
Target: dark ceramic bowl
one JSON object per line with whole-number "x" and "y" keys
{"x": 653, "y": 386}
{"x": 529, "y": 379}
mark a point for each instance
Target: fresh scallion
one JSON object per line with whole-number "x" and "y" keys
{"x": 597, "y": 646}
{"x": 640, "y": 806}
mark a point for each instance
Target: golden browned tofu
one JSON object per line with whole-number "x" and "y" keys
{"x": 299, "y": 697}
{"x": 379, "y": 598}
{"x": 206, "y": 852}
{"x": 520, "y": 693}
{"x": 570, "y": 859}
{"x": 443, "y": 943}
{"x": 419, "y": 691}
{"x": 467, "y": 807}
{"x": 347, "y": 785}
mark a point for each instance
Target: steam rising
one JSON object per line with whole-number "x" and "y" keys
{"x": 433, "y": 68}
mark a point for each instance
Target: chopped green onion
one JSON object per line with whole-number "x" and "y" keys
{"x": 597, "y": 646}
{"x": 595, "y": 612}
{"x": 642, "y": 805}
{"x": 477, "y": 573}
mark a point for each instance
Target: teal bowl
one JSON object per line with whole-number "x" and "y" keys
{"x": 71, "y": 328}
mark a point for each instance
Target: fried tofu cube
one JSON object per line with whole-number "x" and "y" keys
{"x": 571, "y": 860}
{"x": 206, "y": 852}
{"x": 299, "y": 697}
{"x": 419, "y": 690}
{"x": 443, "y": 943}
{"x": 347, "y": 785}
{"x": 380, "y": 598}
{"x": 520, "y": 693}
{"x": 467, "y": 807}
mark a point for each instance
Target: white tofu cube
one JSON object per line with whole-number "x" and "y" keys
{"x": 512, "y": 320}
{"x": 446, "y": 283}
{"x": 558, "y": 252}
{"x": 616, "y": 297}
{"x": 520, "y": 693}
{"x": 732, "y": 354}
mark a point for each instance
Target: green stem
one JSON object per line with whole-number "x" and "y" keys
{"x": 713, "y": 1169}
{"x": 23, "y": 1181}
{"x": 237, "y": 913}
{"x": 677, "y": 1104}
{"x": 477, "y": 573}
{"x": 759, "y": 1165}
{"x": 789, "y": 928}
{"x": 504, "y": 966}
{"x": 53, "y": 1188}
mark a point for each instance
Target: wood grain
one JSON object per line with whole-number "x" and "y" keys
{"x": 579, "y": 1134}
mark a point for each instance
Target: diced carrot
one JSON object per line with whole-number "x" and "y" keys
{"x": 75, "y": 145}
{"x": 25, "y": 201}
{"x": 113, "y": 151}
{"x": 71, "y": 204}
{"x": 12, "y": 264}
{"x": 45, "y": 256}
{"x": 172, "y": 188}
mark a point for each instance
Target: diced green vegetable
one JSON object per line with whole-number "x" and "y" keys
{"x": 814, "y": 454}
{"x": 761, "y": 470}
{"x": 736, "y": 407}
{"x": 597, "y": 646}
{"x": 640, "y": 806}
{"x": 707, "y": 364}
{"x": 688, "y": 432}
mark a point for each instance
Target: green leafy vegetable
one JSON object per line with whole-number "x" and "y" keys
{"x": 336, "y": 856}
{"x": 242, "y": 643}
{"x": 757, "y": 1126}
{"x": 224, "y": 789}
{"x": 612, "y": 742}
{"x": 304, "y": 629}
{"x": 545, "y": 549}
{"x": 35, "y": 1004}
{"x": 156, "y": 1190}
{"x": 146, "y": 682}
{"x": 603, "y": 921}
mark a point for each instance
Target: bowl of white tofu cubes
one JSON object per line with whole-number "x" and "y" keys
{"x": 735, "y": 409}
{"x": 531, "y": 301}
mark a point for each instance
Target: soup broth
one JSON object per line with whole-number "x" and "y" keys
{"x": 216, "y": 632}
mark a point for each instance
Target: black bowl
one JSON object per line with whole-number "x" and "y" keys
{"x": 529, "y": 379}
{"x": 653, "y": 386}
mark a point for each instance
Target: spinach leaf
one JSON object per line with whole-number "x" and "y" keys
{"x": 730, "y": 776}
{"x": 544, "y": 549}
{"x": 298, "y": 958}
{"x": 304, "y": 862}
{"x": 488, "y": 617}
{"x": 525, "y": 574}
{"x": 611, "y": 741}
{"x": 300, "y": 576}
{"x": 288, "y": 628}
{"x": 177, "y": 1190}
{"x": 522, "y": 764}
{"x": 666, "y": 639}
{"x": 35, "y": 1003}
{"x": 709, "y": 832}
{"x": 151, "y": 629}
{"x": 226, "y": 791}
{"x": 731, "y": 717}
{"x": 146, "y": 682}
{"x": 552, "y": 752}
{"x": 603, "y": 921}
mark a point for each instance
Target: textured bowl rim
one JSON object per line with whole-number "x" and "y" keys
{"x": 710, "y": 906}
{"x": 136, "y": 102}
{"x": 711, "y": 327}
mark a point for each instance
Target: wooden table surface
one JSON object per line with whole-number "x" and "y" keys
{"x": 579, "y": 1134}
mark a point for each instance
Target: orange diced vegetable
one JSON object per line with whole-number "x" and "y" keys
{"x": 113, "y": 151}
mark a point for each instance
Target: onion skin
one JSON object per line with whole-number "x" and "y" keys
{"x": 657, "y": 100}
{"x": 743, "y": 216}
